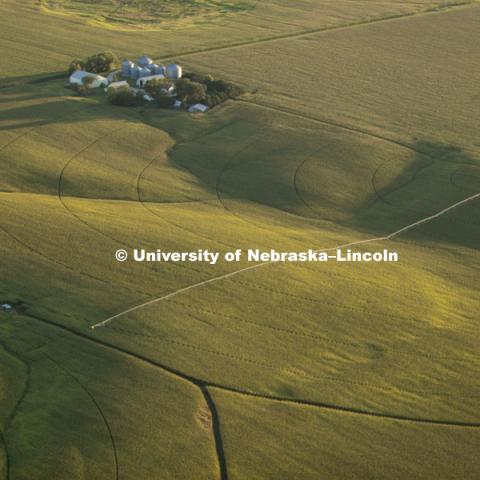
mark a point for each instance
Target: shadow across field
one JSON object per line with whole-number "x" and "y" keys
{"x": 12, "y": 82}
{"x": 423, "y": 188}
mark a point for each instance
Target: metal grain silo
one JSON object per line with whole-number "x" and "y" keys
{"x": 144, "y": 72}
{"x": 144, "y": 61}
{"x": 135, "y": 72}
{"x": 174, "y": 71}
{"x": 160, "y": 70}
{"x": 127, "y": 66}
{"x": 152, "y": 67}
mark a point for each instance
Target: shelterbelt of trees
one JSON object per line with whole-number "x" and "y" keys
{"x": 192, "y": 88}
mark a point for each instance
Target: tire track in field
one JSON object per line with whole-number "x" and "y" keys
{"x": 275, "y": 368}
{"x": 297, "y": 173}
{"x": 47, "y": 257}
{"x": 218, "y": 197}
{"x": 97, "y": 406}
{"x": 161, "y": 217}
{"x": 68, "y": 267}
{"x": 404, "y": 184}
{"x": 230, "y": 165}
{"x": 350, "y": 129}
{"x": 314, "y": 336}
{"x": 60, "y": 182}
{"x": 30, "y": 130}
{"x": 197, "y": 381}
{"x": 46, "y": 122}
{"x": 331, "y": 123}
{"x": 459, "y": 169}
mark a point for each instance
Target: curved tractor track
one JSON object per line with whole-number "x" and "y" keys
{"x": 97, "y": 407}
{"x": 119, "y": 242}
{"x": 351, "y": 244}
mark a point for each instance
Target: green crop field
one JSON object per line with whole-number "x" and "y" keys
{"x": 359, "y": 127}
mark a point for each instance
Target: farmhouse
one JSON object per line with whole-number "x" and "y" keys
{"x": 77, "y": 78}
{"x": 6, "y": 307}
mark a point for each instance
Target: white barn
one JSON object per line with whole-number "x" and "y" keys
{"x": 76, "y": 78}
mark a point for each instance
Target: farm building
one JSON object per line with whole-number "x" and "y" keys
{"x": 198, "y": 108}
{"x": 141, "y": 82}
{"x": 6, "y": 307}
{"x": 77, "y": 78}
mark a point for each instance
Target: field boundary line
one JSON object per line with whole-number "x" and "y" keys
{"x": 197, "y": 381}
{"x": 437, "y": 9}
{"x": 258, "y": 265}
{"x": 217, "y": 434}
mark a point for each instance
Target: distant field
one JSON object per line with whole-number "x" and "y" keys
{"x": 306, "y": 371}
{"x": 144, "y": 13}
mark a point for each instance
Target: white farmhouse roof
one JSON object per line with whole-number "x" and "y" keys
{"x": 198, "y": 108}
{"x": 77, "y": 77}
{"x": 6, "y": 306}
{"x": 141, "y": 82}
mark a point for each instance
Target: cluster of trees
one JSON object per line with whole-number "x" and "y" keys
{"x": 158, "y": 89}
{"x": 98, "y": 63}
{"x": 85, "y": 88}
{"x": 125, "y": 97}
{"x": 205, "y": 89}
{"x": 189, "y": 91}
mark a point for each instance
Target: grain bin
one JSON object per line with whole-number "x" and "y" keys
{"x": 127, "y": 66}
{"x": 174, "y": 71}
{"x": 144, "y": 61}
